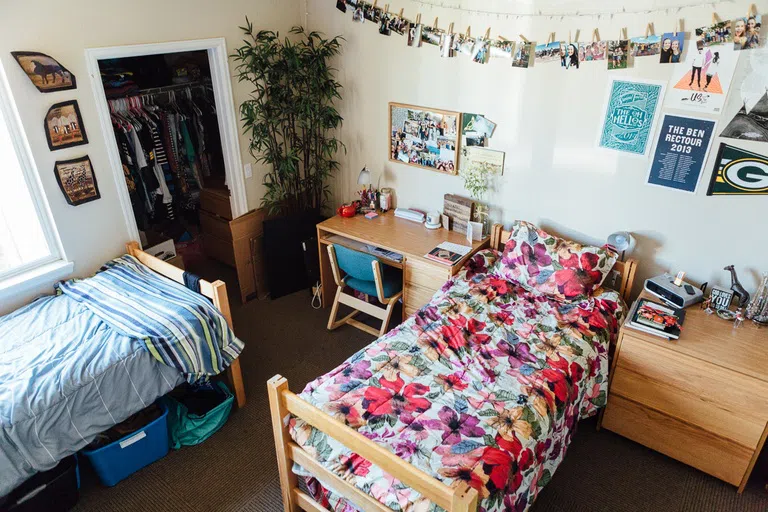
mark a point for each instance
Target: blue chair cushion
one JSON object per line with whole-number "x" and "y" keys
{"x": 392, "y": 282}
{"x": 355, "y": 264}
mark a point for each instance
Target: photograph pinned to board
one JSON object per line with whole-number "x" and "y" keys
{"x": 672, "y": 45}
{"x": 645, "y": 46}
{"x": 64, "y": 126}
{"x": 372, "y": 13}
{"x": 523, "y": 55}
{"x": 752, "y": 125}
{"x": 414, "y": 34}
{"x": 701, "y": 83}
{"x": 489, "y": 160}
{"x": 480, "y": 51}
{"x": 631, "y": 110}
{"x": 424, "y": 137}
{"x": 572, "y": 56}
{"x": 738, "y": 172}
{"x": 681, "y": 152}
{"x": 596, "y": 50}
{"x": 719, "y": 33}
{"x": 476, "y": 129}
{"x": 77, "y": 180}
{"x": 548, "y": 52}
{"x": 502, "y": 49}
{"x": 618, "y": 54}
{"x": 45, "y": 72}
{"x": 746, "y": 32}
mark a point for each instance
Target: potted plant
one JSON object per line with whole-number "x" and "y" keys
{"x": 291, "y": 120}
{"x": 476, "y": 177}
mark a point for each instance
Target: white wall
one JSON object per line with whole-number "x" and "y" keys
{"x": 94, "y": 232}
{"x": 548, "y": 119}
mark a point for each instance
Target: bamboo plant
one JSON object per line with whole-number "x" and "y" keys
{"x": 290, "y": 115}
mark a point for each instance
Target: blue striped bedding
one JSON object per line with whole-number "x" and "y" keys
{"x": 70, "y": 368}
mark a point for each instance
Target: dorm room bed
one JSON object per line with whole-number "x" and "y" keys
{"x": 69, "y": 371}
{"x": 471, "y": 403}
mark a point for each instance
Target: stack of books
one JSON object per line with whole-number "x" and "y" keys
{"x": 654, "y": 318}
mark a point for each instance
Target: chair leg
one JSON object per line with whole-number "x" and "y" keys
{"x": 387, "y": 316}
{"x": 332, "y": 322}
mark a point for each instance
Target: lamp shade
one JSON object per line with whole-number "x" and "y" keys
{"x": 364, "y": 178}
{"x": 621, "y": 240}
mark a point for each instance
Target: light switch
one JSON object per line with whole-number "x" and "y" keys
{"x": 248, "y": 171}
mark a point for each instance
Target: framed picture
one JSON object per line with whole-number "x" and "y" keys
{"x": 45, "y": 72}
{"x": 721, "y": 298}
{"x": 77, "y": 180}
{"x": 630, "y": 114}
{"x": 64, "y": 126}
{"x": 424, "y": 137}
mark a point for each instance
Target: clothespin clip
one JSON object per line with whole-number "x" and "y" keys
{"x": 595, "y": 35}
{"x": 752, "y": 11}
{"x": 576, "y": 37}
{"x": 401, "y": 13}
{"x": 649, "y": 31}
{"x": 435, "y": 26}
{"x": 386, "y": 9}
{"x": 374, "y": 4}
{"x": 418, "y": 19}
{"x": 450, "y": 28}
{"x": 551, "y": 38}
{"x": 487, "y": 34}
{"x": 468, "y": 34}
{"x": 623, "y": 33}
{"x": 678, "y": 27}
{"x": 523, "y": 38}
{"x": 715, "y": 18}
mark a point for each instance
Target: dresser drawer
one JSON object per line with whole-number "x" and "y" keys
{"x": 689, "y": 444}
{"x": 219, "y": 249}
{"x": 216, "y": 226}
{"x": 415, "y": 297}
{"x": 723, "y": 402}
{"x": 216, "y": 201}
{"x": 426, "y": 275}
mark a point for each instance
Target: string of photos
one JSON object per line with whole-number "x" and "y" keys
{"x": 742, "y": 33}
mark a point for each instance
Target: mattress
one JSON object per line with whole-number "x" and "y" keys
{"x": 483, "y": 386}
{"x": 66, "y": 376}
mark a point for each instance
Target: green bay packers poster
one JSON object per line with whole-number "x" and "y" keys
{"x": 738, "y": 172}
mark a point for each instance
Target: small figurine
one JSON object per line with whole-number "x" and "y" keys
{"x": 707, "y": 306}
{"x": 738, "y": 290}
{"x": 739, "y": 318}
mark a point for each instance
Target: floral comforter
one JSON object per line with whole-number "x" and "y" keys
{"x": 484, "y": 385}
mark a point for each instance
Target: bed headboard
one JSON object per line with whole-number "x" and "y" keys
{"x": 621, "y": 281}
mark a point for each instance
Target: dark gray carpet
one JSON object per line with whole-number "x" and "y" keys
{"x": 235, "y": 470}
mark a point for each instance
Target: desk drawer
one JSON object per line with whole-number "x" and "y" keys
{"x": 696, "y": 447}
{"x": 725, "y": 403}
{"x": 425, "y": 275}
{"x": 415, "y": 297}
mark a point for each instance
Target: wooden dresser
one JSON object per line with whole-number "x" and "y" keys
{"x": 702, "y": 399}
{"x": 422, "y": 277}
{"x": 229, "y": 240}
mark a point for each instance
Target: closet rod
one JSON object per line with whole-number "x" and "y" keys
{"x": 174, "y": 87}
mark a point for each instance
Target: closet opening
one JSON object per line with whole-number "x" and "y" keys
{"x": 170, "y": 123}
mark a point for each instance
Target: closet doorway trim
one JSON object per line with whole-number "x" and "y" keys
{"x": 225, "y": 110}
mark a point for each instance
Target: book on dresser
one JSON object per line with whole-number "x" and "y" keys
{"x": 654, "y": 318}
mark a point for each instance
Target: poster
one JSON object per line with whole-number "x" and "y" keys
{"x": 701, "y": 82}
{"x": 681, "y": 152}
{"x": 474, "y": 156}
{"x": 738, "y": 172}
{"x": 752, "y": 125}
{"x": 630, "y": 114}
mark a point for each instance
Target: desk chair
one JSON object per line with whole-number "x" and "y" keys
{"x": 364, "y": 274}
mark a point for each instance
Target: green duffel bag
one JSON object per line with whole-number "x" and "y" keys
{"x": 190, "y": 427}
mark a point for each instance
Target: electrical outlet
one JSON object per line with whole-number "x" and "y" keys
{"x": 248, "y": 171}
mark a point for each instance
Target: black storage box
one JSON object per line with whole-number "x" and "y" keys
{"x": 54, "y": 490}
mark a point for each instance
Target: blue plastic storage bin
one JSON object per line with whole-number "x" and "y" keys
{"x": 119, "y": 459}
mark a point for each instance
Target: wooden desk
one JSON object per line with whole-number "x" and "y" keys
{"x": 702, "y": 399}
{"x": 422, "y": 277}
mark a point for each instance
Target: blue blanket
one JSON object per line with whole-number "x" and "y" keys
{"x": 180, "y": 328}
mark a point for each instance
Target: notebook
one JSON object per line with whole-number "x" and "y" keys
{"x": 448, "y": 253}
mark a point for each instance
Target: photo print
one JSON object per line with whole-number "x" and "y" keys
{"x": 523, "y": 54}
{"x": 701, "y": 83}
{"x": 715, "y": 34}
{"x": 357, "y": 14}
{"x": 595, "y": 50}
{"x": 672, "y": 44}
{"x": 481, "y": 51}
{"x": 746, "y": 32}
{"x": 548, "y": 52}
{"x": 752, "y": 125}
{"x": 423, "y": 137}
{"x": 464, "y": 44}
{"x": 77, "y": 181}
{"x": 45, "y": 72}
{"x": 341, "y": 5}
{"x": 64, "y": 126}
{"x": 502, "y": 49}
{"x": 618, "y": 53}
{"x": 447, "y": 45}
{"x": 372, "y": 13}
{"x": 476, "y": 129}
{"x": 572, "y": 56}
{"x": 646, "y": 46}
{"x": 430, "y": 35}
{"x": 398, "y": 24}
{"x": 414, "y": 34}
{"x": 384, "y": 25}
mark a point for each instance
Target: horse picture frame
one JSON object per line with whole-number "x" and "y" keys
{"x": 45, "y": 72}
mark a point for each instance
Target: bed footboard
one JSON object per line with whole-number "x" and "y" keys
{"x": 283, "y": 403}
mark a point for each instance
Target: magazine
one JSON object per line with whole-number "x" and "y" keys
{"x": 448, "y": 253}
{"x": 657, "y": 319}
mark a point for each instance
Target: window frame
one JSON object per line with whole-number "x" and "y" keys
{"x": 55, "y": 265}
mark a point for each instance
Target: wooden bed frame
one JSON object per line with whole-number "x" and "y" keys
{"x": 216, "y": 291}
{"x": 283, "y": 403}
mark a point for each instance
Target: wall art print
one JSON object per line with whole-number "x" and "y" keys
{"x": 739, "y": 172}
{"x": 701, "y": 83}
{"x": 45, "y": 72}
{"x": 630, "y": 114}
{"x": 64, "y": 126}
{"x": 77, "y": 180}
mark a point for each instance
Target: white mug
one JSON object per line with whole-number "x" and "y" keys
{"x": 433, "y": 218}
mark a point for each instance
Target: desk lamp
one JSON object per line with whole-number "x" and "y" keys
{"x": 621, "y": 240}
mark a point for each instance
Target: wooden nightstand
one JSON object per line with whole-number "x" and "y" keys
{"x": 702, "y": 399}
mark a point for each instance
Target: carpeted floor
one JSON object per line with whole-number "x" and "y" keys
{"x": 235, "y": 470}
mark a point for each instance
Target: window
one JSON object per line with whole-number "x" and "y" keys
{"x": 29, "y": 245}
